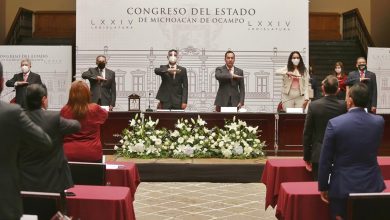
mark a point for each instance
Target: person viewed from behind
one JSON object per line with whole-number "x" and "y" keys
{"x": 366, "y": 77}
{"x": 85, "y": 145}
{"x": 173, "y": 91}
{"x": 348, "y": 161}
{"x": 102, "y": 82}
{"x": 342, "y": 78}
{"x": 318, "y": 114}
{"x": 295, "y": 85}
{"x": 231, "y": 90}
{"x": 15, "y": 126}
{"x": 46, "y": 172}
{"x": 21, "y": 80}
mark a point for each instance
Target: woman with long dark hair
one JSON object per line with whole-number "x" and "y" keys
{"x": 342, "y": 76}
{"x": 295, "y": 87}
{"x": 85, "y": 145}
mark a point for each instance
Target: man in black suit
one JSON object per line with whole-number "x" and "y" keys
{"x": 46, "y": 172}
{"x": 366, "y": 77}
{"x": 231, "y": 91}
{"x": 15, "y": 126}
{"x": 102, "y": 83}
{"x": 173, "y": 91}
{"x": 21, "y": 80}
{"x": 318, "y": 114}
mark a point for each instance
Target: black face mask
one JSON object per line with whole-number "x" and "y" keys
{"x": 101, "y": 65}
{"x": 362, "y": 67}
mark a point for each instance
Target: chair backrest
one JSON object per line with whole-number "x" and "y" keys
{"x": 44, "y": 205}
{"x": 88, "y": 173}
{"x": 364, "y": 206}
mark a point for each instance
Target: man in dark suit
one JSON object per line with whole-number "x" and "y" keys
{"x": 46, "y": 172}
{"x": 231, "y": 90}
{"x": 366, "y": 77}
{"x": 173, "y": 91}
{"x": 15, "y": 126}
{"x": 318, "y": 114}
{"x": 349, "y": 153}
{"x": 21, "y": 80}
{"x": 102, "y": 83}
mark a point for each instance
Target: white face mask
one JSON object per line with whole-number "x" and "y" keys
{"x": 25, "y": 69}
{"x": 337, "y": 70}
{"x": 295, "y": 61}
{"x": 172, "y": 59}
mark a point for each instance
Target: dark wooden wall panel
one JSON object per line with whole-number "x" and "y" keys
{"x": 55, "y": 24}
{"x": 324, "y": 26}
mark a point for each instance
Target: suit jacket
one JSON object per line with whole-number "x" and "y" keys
{"x": 33, "y": 78}
{"x": 354, "y": 77}
{"x": 318, "y": 114}
{"x": 287, "y": 81}
{"x": 228, "y": 87}
{"x": 15, "y": 126}
{"x": 351, "y": 144}
{"x": 47, "y": 172}
{"x": 103, "y": 90}
{"x": 172, "y": 90}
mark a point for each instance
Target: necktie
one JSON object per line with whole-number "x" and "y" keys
{"x": 25, "y": 77}
{"x": 361, "y": 73}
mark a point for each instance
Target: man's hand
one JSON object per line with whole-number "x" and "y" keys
{"x": 110, "y": 108}
{"x": 183, "y": 106}
{"x": 364, "y": 79}
{"x": 305, "y": 104}
{"x": 308, "y": 166}
{"x": 324, "y": 196}
{"x": 373, "y": 110}
{"x": 21, "y": 83}
{"x": 240, "y": 105}
{"x": 100, "y": 78}
{"x": 235, "y": 76}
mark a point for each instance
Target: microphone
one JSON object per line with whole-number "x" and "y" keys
{"x": 149, "y": 109}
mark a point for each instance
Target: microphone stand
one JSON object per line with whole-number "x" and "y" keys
{"x": 149, "y": 109}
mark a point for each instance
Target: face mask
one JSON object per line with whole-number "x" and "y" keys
{"x": 25, "y": 69}
{"x": 295, "y": 61}
{"x": 172, "y": 59}
{"x": 101, "y": 65}
{"x": 362, "y": 67}
{"x": 337, "y": 70}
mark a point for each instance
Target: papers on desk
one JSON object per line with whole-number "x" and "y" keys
{"x": 163, "y": 110}
{"x": 112, "y": 166}
{"x": 294, "y": 110}
{"x": 169, "y": 110}
{"x": 228, "y": 109}
{"x": 105, "y": 107}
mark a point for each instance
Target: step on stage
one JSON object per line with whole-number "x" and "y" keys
{"x": 199, "y": 170}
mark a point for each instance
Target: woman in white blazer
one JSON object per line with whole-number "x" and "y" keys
{"x": 295, "y": 87}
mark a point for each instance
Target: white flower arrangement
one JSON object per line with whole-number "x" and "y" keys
{"x": 191, "y": 138}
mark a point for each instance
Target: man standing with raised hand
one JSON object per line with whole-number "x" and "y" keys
{"x": 231, "y": 90}
{"x": 348, "y": 161}
{"x": 102, "y": 83}
{"x": 15, "y": 127}
{"x": 173, "y": 91}
{"x": 366, "y": 77}
{"x": 319, "y": 113}
{"x": 21, "y": 80}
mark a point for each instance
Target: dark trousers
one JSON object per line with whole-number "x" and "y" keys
{"x": 314, "y": 171}
{"x": 169, "y": 105}
{"x": 338, "y": 207}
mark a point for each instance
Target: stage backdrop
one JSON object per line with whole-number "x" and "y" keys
{"x": 135, "y": 35}
{"x": 378, "y": 61}
{"x": 52, "y": 63}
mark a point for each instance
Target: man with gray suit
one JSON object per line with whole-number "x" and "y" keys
{"x": 231, "y": 91}
{"x": 173, "y": 91}
{"x": 366, "y": 77}
{"x": 318, "y": 114}
{"x": 15, "y": 127}
{"x": 102, "y": 83}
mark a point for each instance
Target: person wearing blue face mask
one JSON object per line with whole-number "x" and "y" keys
{"x": 366, "y": 77}
{"x": 173, "y": 91}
